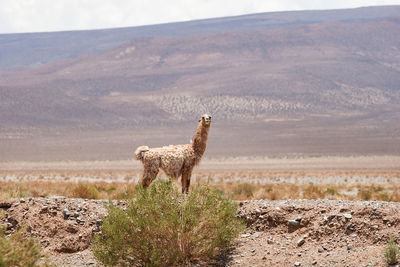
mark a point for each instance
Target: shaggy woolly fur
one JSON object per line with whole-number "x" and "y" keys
{"x": 176, "y": 160}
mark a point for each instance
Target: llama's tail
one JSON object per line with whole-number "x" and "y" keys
{"x": 139, "y": 152}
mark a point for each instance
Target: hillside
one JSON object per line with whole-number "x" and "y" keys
{"x": 313, "y": 82}
{"x": 279, "y": 233}
{"x": 27, "y": 50}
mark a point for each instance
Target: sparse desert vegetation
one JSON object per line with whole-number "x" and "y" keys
{"x": 163, "y": 227}
{"x": 17, "y": 250}
{"x": 391, "y": 252}
{"x": 362, "y": 184}
{"x": 74, "y": 198}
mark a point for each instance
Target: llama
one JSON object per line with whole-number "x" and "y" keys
{"x": 176, "y": 160}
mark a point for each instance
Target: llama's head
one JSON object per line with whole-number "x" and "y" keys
{"x": 206, "y": 120}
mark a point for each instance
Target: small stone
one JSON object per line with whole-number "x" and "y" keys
{"x": 300, "y": 242}
{"x": 44, "y": 209}
{"x": 66, "y": 213}
{"x": 245, "y": 235}
{"x": 253, "y": 250}
{"x": 99, "y": 222}
{"x": 320, "y": 250}
{"x": 349, "y": 247}
{"x": 347, "y": 216}
{"x": 314, "y": 262}
{"x": 9, "y": 226}
{"x": 264, "y": 258}
{"x": 71, "y": 229}
{"x": 297, "y": 263}
{"x": 270, "y": 241}
{"x": 293, "y": 222}
{"x": 90, "y": 263}
{"x": 22, "y": 200}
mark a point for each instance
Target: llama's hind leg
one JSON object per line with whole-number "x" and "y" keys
{"x": 186, "y": 175}
{"x": 150, "y": 172}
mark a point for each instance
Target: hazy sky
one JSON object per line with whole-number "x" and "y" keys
{"x": 57, "y": 15}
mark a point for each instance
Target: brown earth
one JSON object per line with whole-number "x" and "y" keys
{"x": 279, "y": 233}
{"x": 306, "y": 82}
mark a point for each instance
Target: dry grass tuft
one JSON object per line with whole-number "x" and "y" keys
{"x": 119, "y": 184}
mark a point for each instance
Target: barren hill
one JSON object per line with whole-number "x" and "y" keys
{"x": 317, "y": 82}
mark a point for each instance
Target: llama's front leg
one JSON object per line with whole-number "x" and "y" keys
{"x": 149, "y": 174}
{"x": 186, "y": 175}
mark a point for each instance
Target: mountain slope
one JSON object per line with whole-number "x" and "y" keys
{"x": 27, "y": 50}
{"x": 273, "y": 87}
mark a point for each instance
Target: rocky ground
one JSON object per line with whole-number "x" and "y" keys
{"x": 279, "y": 233}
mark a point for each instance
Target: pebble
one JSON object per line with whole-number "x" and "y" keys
{"x": 66, "y": 213}
{"x": 256, "y": 234}
{"x": 297, "y": 263}
{"x": 349, "y": 247}
{"x": 320, "y": 250}
{"x": 44, "y": 209}
{"x": 293, "y": 222}
{"x": 300, "y": 242}
{"x": 347, "y": 216}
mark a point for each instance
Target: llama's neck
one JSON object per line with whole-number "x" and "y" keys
{"x": 200, "y": 139}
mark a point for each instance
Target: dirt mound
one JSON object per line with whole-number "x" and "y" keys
{"x": 316, "y": 232}
{"x": 279, "y": 233}
{"x": 61, "y": 225}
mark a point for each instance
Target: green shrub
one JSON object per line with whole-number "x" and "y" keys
{"x": 244, "y": 189}
{"x": 163, "y": 227}
{"x": 17, "y": 250}
{"x": 364, "y": 194}
{"x": 85, "y": 191}
{"x": 313, "y": 192}
{"x": 331, "y": 191}
{"x": 391, "y": 252}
